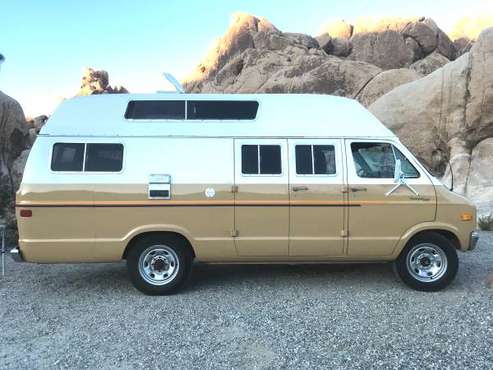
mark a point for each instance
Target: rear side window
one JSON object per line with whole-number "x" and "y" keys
{"x": 261, "y": 160}
{"x": 104, "y": 157}
{"x": 67, "y": 157}
{"x": 315, "y": 160}
{"x": 218, "y": 110}
{"x": 155, "y": 109}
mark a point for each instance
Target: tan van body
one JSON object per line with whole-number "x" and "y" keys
{"x": 225, "y": 215}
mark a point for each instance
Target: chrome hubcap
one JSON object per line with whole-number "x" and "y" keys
{"x": 158, "y": 264}
{"x": 426, "y": 262}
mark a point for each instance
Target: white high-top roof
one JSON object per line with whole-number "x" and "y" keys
{"x": 279, "y": 115}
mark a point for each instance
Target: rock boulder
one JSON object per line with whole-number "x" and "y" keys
{"x": 338, "y": 29}
{"x": 268, "y": 60}
{"x": 451, "y": 108}
{"x": 97, "y": 82}
{"x": 392, "y": 43}
{"x": 14, "y": 138}
{"x": 386, "y": 49}
{"x": 385, "y": 82}
{"x": 429, "y": 64}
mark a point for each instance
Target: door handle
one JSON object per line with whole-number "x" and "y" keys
{"x": 300, "y": 188}
{"x": 354, "y": 190}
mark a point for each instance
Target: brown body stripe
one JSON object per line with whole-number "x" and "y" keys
{"x": 194, "y": 203}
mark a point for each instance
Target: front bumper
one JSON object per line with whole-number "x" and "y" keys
{"x": 473, "y": 240}
{"x": 16, "y": 255}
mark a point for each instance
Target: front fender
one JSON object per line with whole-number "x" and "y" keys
{"x": 426, "y": 226}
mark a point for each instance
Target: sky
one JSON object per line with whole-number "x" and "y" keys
{"x": 47, "y": 43}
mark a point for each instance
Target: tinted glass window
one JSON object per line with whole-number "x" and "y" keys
{"x": 407, "y": 168}
{"x": 104, "y": 157}
{"x": 315, "y": 160}
{"x": 377, "y": 160}
{"x": 304, "y": 164}
{"x": 249, "y": 159}
{"x": 373, "y": 160}
{"x": 156, "y": 109}
{"x": 324, "y": 159}
{"x": 270, "y": 159}
{"x": 243, "y": 110}
{"x": 67, "y": 157}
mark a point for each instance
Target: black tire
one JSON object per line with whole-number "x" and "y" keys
{"x": 421, "y": 252}
{"x": 171, "y": 262}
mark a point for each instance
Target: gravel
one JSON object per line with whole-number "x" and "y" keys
{"x": 262, "y": 316}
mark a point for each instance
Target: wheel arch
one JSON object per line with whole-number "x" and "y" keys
{"x": 136, "y": 238}
{"x": 443, "y": 229}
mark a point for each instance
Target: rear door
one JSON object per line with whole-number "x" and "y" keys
{"x": 316, "y": 178}
{"x": 262, "y": 198}
{"x": 377, "y": 218}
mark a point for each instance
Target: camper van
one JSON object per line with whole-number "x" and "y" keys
{"x": 164, "y": 180}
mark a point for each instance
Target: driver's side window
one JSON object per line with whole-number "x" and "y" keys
{"x": 377, "y": 160}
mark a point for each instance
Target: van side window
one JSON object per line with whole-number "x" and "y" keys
{"x": 261, "y": 160}
{"x": 217, "y": 109}
{"x": 104, "y": 157}
{"x": 377, "y": 160}
{"x": 155, "y": 109}
{"x": 67, "y": 157}
{"x": 315, "y": 160}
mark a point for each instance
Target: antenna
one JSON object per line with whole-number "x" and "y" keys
{"x": 172, "y": 80}
{"x": 451, "y": 176}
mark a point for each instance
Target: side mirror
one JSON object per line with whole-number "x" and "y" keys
{"x": 398, "y": 174}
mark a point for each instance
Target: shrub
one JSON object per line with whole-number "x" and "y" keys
{"x": 486, "y": 222}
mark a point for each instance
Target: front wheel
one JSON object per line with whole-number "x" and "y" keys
{"x": 159, "y": 265}
{"x": 428, "y": 262}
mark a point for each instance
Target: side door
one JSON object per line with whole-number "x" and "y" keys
{"x": 317, "y": 204}
{"x": 262, "y": 198}
{"x": 378, "y": 218}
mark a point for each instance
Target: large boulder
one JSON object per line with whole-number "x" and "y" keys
{"x": 429, "y": 64}
{"x": 480, "y": 179}
{"x": 14, "y": 132}
{"x": 451, "y": 109}
{"x": 14, "y": 138}
{"x": 338, "y": 29}
{"x": 385, "y": 82}
{"x": 37, "y": 122}
{"x": 423, "y": 34}
{"x": 268, "y": 60}
{"x": 392, "y": 43}
{"x": 386, "y": 49}
{"x": 97, "y": 82}
{"x": 340, "y": 47}
{"x": 18, "y": 168}
{"x": 445, "y": 46}
{"x": 240, "y": 37}
{"x": 463, "y": 45}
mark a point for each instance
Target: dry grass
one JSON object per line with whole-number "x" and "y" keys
{"x": 486, "y": 222}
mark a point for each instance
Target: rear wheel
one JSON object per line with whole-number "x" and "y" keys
{"x": 159, "y": 265}
{"x": 428, "y": 262}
